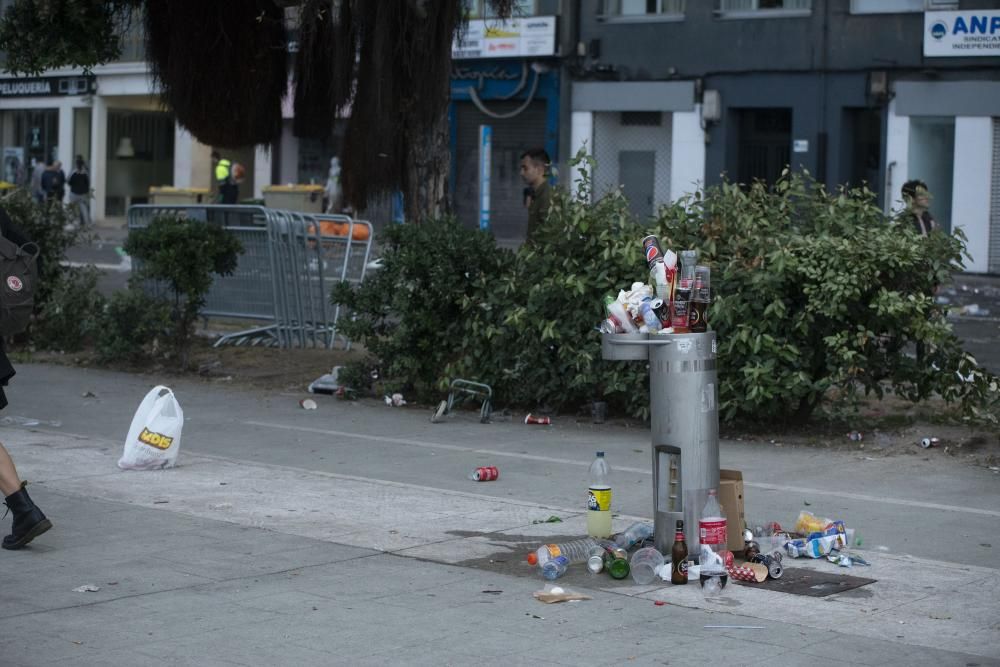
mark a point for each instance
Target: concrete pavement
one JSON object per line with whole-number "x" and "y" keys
{"x": 350, "y": 535}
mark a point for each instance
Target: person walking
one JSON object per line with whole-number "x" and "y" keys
{"x": 28, "y": 521}
{"x": 534, "y": 169}
{"x": 225, "y": 179}
{"x": 54, "y": 182}
{"x": 79, "y": 190}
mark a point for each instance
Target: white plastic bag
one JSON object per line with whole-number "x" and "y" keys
{"x": 154, "y": 439}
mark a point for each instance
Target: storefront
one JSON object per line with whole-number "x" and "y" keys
{"x": 505, "y": 78}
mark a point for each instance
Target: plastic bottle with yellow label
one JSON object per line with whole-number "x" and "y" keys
{"x": 599, "y": 498}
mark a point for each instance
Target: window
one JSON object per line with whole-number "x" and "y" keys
{"x": 480, "y": 9}
{"x": 898, "y": 6}
{"x": 758, "y": 8}
{"x": 643, "y": 9}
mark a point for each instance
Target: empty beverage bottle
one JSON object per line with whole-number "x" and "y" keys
{"x": 555, "y": 567}
{"x": 700, "y": 298}
{"x": 712, "y": 535}
{"x": 599, "y": 498}
{"x": 616, "y": 562}
{"x": 576, "y": 551}
{"x": 633, "y": 535}
{"x": 678, "y": 557}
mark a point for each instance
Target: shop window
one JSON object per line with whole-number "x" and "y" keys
{"x": 480, "y": 9}
{"x": 763, "y": 8}
{"x": 932, "y": 160}
{"x": 632, "y": 9}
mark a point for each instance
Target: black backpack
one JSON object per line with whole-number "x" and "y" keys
{"x": 19, "y": 273}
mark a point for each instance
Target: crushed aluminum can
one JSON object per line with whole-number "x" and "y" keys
{"x": 537, "y": 420}
{"x": 485, "y": 474}
{"x": 927, "y": 443}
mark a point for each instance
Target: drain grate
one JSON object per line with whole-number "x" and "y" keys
{"x": 799, "y": 581}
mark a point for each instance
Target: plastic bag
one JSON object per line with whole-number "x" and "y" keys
{"x": 154, "y": 438}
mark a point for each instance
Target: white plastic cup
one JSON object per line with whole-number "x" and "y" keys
{"x": 644, "y": 565}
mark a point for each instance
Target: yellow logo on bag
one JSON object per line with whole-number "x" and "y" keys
{"x": 155, "y": 439}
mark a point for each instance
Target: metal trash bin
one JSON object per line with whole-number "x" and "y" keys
{"x": 171, "y": 196}
{"x": 303, "y": 198}
{"x": 683, "y": 397}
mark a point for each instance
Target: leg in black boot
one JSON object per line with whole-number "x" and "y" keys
{"x": 29, "y": 522}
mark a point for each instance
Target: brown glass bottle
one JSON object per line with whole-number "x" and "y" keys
{"x": 678, "y": 557}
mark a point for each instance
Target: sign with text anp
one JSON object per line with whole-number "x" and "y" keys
{"x": 510, "y": 38}
{"x": 974, "y": 32}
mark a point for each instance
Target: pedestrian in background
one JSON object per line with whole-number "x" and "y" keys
{"x": 225, "y": 179}
{"x": 535, "y": 163}
{"x": 79, "y": 190}
{"x": 29, "y": 521}
{"x": 917, "y": 198}
{"x": 37, "y": 171}
{"x": 54, "y": 182}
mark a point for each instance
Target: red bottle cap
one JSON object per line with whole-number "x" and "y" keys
{"x": 532, "y": 558}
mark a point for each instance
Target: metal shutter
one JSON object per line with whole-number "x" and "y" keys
{"x": 511, "y": 137}
{"x": 994, "y": 262}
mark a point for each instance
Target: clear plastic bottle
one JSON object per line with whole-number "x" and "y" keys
{"x": 712, "y": 534}
{"x": 555, "y": 567}
{"x": 633, "y": 535}
{"x": 616, "y": 310}
{"x": 576, "y": 551}
{"x": 599, "y": 498}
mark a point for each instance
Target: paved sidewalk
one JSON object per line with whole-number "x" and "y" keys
{"x": 222, "y": 562}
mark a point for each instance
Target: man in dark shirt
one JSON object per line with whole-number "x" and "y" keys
{"x": 535, "y": 164}
{"x": 918, "y": 199}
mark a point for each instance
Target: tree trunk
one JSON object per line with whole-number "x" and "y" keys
{"x": 428, "y": 164}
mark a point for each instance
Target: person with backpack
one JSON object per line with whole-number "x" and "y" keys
{"x": 19, "y": 276}
{"x": 79, "y": 190}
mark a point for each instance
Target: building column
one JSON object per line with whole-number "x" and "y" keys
{"x": 687, "y": 153}
{"x": 183, "y": 148}
{"x": 261, "y": 170}
{"x": 970, "y": 195}
{"x": 99, "y": 155}
{"x": 65, "y": 152}
{"x": 897, "y": 155}
{"x": 581, "y": 138}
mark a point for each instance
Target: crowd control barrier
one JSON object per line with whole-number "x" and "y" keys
{"x": 283, "y": 280}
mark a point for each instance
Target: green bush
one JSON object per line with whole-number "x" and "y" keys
{"x": 133, "y": 327}
{"x": 816, "y": 294}
{"x": 184, "y": 254}
{"x": 408, "y": 313}
{"x": 70, "y": 318}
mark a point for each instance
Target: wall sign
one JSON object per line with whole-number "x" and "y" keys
{"x": 962, "y": 34}
{"x": 517, "y": 37}
{"x": 43, "y": 86}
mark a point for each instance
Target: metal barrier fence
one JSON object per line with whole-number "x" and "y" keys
{"x": 284, "y": 278}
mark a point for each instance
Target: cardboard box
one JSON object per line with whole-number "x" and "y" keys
{"x": 731, "y": 499}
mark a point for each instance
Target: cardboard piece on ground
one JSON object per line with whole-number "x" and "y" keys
{"x": 731, "y": 499}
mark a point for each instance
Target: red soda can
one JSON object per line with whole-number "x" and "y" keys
{"x": 486, "y": 474}
{"x": 537, "y": 420}
{"x": 654, "y": 253}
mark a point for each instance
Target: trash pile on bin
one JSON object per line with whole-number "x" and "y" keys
{"x": 675, "y": 299}
{"x": 712, "y": 563}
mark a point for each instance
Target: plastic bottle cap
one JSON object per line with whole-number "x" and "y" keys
{"x": 533, "y": 558}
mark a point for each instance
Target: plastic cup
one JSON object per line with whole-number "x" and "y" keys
{"x": 645, "y": 563}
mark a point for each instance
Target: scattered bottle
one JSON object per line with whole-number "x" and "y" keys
{"x": 678, "y": 557}
{"x": 649, "y": 316}
{"x": 599, "y": 498}
{"x": 680, "y": 313}
{"x": 616, "y": 562}
{"x": 712, "y": 535}
{"x": 576, "y": 551}
{"x": 633, "y": 535}
{"x": 555, "y": 567}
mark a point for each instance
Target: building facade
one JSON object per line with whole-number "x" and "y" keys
{"x": 854, "y": 91}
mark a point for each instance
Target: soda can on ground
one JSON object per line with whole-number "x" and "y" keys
{"x": 651, "y": 247}
{"x": 485, "y": 474}
{"x": 530, "y": 419}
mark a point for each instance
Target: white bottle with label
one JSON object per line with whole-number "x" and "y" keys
{"x": 599, "y": 498}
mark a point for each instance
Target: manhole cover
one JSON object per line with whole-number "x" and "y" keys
{"x": 798, "y": 581}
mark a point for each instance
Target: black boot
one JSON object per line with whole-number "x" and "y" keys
{"x": 29, "y": 522}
